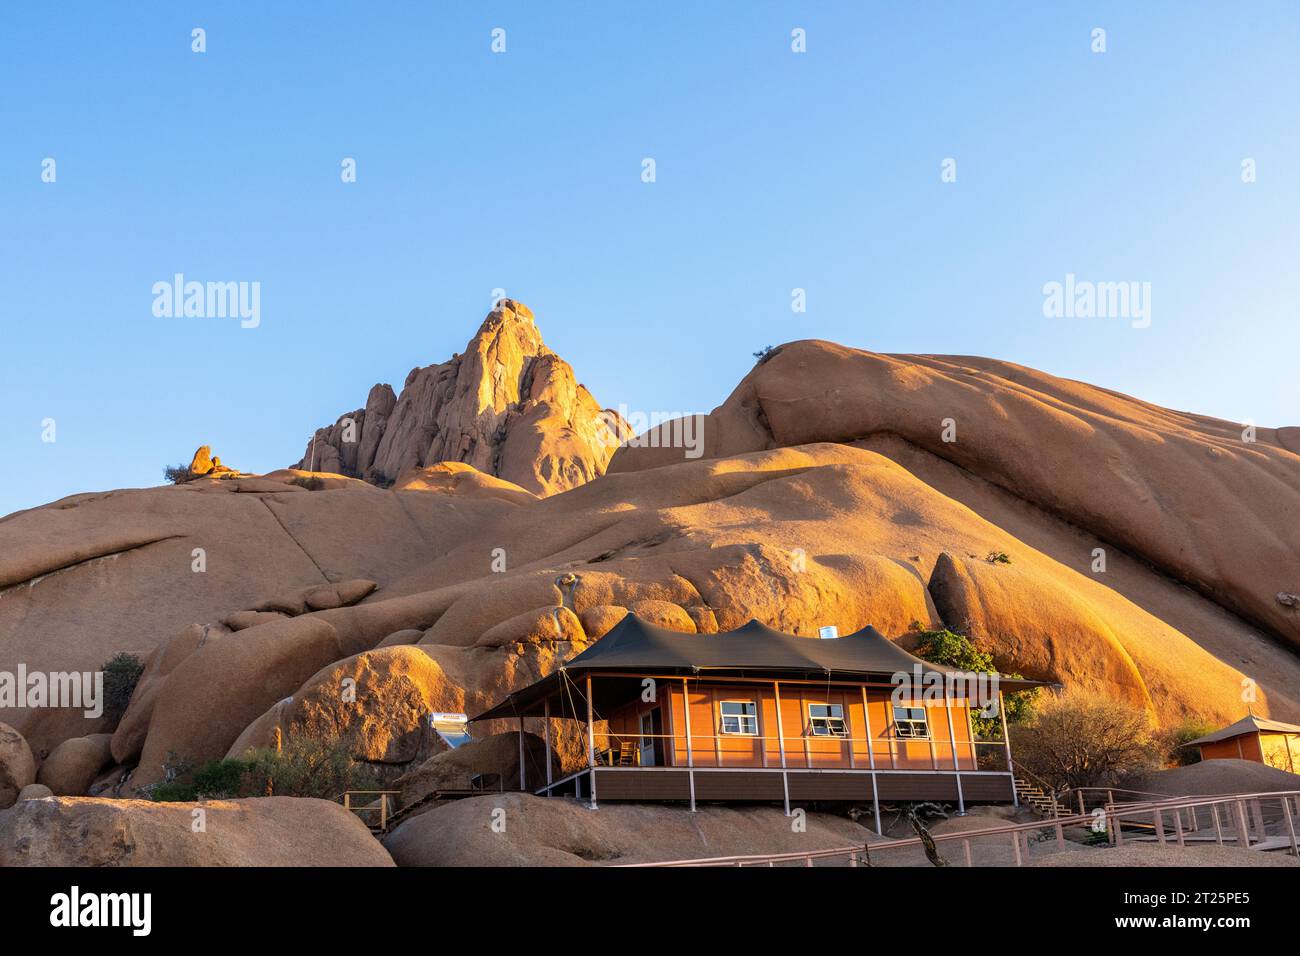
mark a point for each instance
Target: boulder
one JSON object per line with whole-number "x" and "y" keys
{"x": 34, "y": 791}
{"x": 462, "y": 480}
{"x": 73, "y": 765}
{"x": 833, "y": 534}
{"x": 496, "y": 755}
{"x": 1057, "y": 635}
{"x": 17, "y": 766}
{"x": 599, "y": 619}
{"x": 537, "y": 626}
{"x": 316, "y": 597}
{"x": 129, "y": 735}
{"x": 220, "y": 470}
{"x": 96, "y": 574}
{"x": 220, "y": 688}
{"x": 111, "y": 781}
{"x": 410, "y": 635}
{"x": 264, "y": 831}
{"x": 241, "y": 620}
{"x": 377, "y": 703}
{"x": 201, "y": 463}
{"x": 664, "y": 614}
{"x": 515, "y": 829}
{"x": 1183, "y": 492}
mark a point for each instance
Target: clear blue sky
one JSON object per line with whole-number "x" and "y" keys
{"x": 523, "y": 171}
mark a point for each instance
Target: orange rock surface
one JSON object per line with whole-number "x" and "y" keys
{"x": 1144, "y": 550}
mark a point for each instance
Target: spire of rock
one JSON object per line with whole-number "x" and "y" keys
{"x": 507, "y": 405}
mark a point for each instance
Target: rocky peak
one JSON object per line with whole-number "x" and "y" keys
{"x": 507, "y": 405}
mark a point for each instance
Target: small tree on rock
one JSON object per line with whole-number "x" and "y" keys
{"x": 949, "y": 649}
{"x": 121, "y": 673}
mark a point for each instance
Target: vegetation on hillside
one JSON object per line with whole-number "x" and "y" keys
{"x": 304, "y": 767}
{"x": 1192, "y": 727}
{"x": 121, "y": 673}
{"x": 1079, "y": 739}
{"x": 949, "y": 649}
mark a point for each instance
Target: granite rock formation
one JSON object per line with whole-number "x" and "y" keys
{"x": 508, "y": 406}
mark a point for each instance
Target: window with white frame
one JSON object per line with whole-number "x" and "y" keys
{"x": 827, "y": 720}
{"x": 911, "y": 722}
{"x": 739, "y": 717}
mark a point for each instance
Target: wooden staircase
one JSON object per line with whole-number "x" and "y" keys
{"x": 1041, "y": 803}
{"x": 376, "y": 814}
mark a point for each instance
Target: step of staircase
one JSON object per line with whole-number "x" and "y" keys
{"x": 1034, "y": 797}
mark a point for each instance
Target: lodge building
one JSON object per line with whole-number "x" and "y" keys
{"x": 755, "y": 715}
{"x": 1254, "y": 738}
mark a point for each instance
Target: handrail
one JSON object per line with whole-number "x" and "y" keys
{"x": 765, "y": 859}
{"x": 1043, "y": 785}
{"x": 1112, "y": 814}
{"x": 382, "y": 809}
{"x": 1114, "y": 790}
{"x": 1018, "y": 768}
{"x": 829, "y": 738}
{"x": 1204, "y": 799}
{"x": 1063, "y": 795}
{"x": 889, "y": 750}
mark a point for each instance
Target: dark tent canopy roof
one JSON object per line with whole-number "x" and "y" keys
{"x": 754, "y": 650}
{"x": 635, "y": 644}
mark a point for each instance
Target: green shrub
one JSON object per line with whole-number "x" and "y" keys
{"x": 221, "y": 779}
{"x": 215, "y": 780}
{"x": 302, "y": 768}
{"x": 946, "y": 648}
{"x": 1096, "y": 838}
{"x": 310, "y": 482}
{"x": 121, "y": 674}
{"x": 1189, "y": 729}
{"x": 171, "y": 789}
{"x": 998, "y": 557}
{"x": 173, "y": 793}
{"x": 176, "y": 474}
{"x": 306, "y": 767}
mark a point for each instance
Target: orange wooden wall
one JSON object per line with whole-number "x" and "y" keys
{"x": 1277, "y": 750}
{"x": 711, "y": 748}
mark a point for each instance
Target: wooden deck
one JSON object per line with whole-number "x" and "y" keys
{"x": 773, "y": 785}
